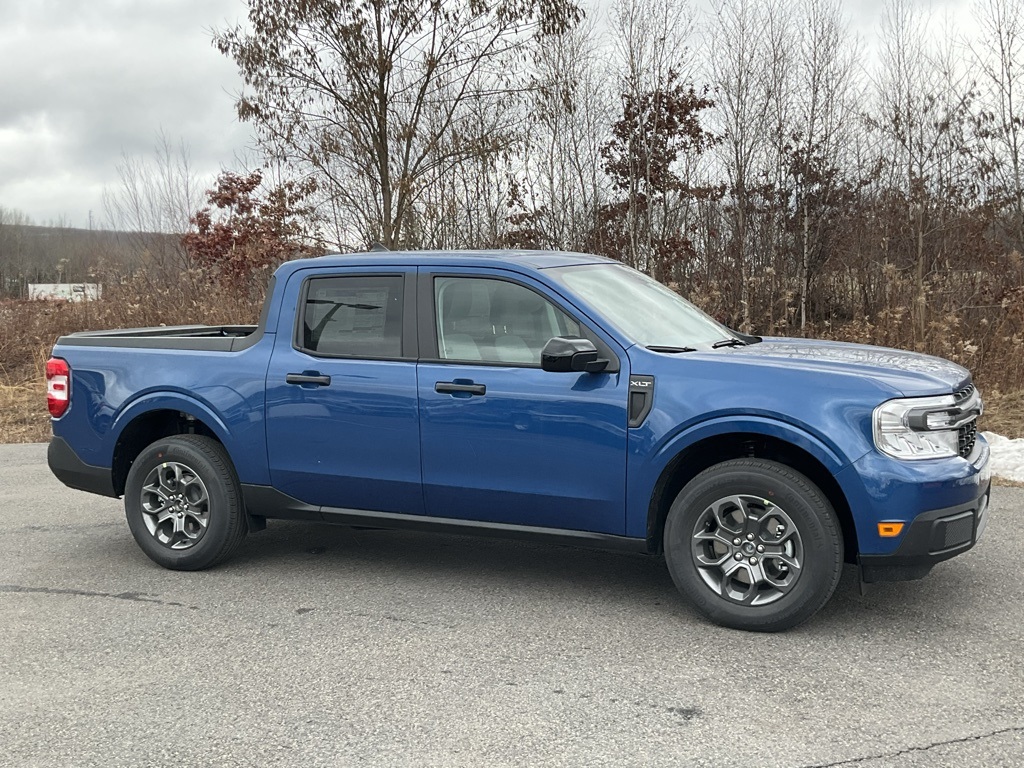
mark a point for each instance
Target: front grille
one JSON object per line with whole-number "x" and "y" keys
{"x": 966, "y": 437}
{"x": 968, "y": 433}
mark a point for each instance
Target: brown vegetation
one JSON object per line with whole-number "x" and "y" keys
{"x": 31, "y": 328}
{"x": 23, "y": 416}
{"x": 1004, "y": 413}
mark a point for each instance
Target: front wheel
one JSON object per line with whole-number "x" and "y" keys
{"x": 183, "y": 503}
{"x": 754, "y": 545}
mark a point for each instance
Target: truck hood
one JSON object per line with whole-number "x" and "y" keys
{"x": 910, "y": 373}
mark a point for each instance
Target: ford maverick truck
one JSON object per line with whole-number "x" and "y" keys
{"x": 547, "y": 395}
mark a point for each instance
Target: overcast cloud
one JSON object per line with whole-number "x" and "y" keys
{"x": 82, "y": 81}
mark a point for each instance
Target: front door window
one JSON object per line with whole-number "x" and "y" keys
{"x": 495, "y": 321}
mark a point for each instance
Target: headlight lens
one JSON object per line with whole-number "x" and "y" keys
{"x": 917, "y": 428}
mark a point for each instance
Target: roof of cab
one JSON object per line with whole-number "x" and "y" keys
{"x": 490, "y": 258}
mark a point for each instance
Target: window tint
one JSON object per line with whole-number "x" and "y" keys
{"x": 354, "y": 316}
{"x": 495, "y": 321}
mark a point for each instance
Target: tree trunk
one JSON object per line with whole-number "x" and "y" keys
{"x": 389, "y": 233}
{"x": 920, "y": 307}
{"x": 805, "y": 277}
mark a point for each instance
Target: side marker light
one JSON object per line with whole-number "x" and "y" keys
{"x": 889, "y": 530}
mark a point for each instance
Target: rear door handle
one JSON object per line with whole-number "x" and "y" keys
{"x": 306, "y": 378}
{"x": 451, "y": 386}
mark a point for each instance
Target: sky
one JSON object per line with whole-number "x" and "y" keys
{"x": 83, "y": 82}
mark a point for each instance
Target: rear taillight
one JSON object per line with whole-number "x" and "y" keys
{"x": 58, "y": 386}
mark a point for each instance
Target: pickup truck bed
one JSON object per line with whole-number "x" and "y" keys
{"x": 222, "y": 338}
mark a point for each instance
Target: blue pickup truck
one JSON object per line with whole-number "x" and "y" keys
{"x": 548, "y": 395}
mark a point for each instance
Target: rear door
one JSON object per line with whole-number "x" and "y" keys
{"x": 342, "y": 412}
{"x": 502, "y": 440}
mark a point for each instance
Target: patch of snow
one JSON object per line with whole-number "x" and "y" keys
{"x": 1007, "y": 456}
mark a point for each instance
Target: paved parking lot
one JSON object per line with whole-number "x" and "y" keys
{"x": 327, "y": 646}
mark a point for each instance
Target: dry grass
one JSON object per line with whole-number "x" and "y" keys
{"x": 1004, "y": 413}
{"x": 23, "y": 414}
{"x": 28, "y": 330}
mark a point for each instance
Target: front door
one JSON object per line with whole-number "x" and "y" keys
{"x": 501, "y": 439}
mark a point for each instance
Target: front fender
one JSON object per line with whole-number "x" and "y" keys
{"x": 828, "y": 455}
{"x": 646, "y": 468}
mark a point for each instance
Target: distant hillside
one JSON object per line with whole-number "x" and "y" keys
{"x": 32, "y": 254}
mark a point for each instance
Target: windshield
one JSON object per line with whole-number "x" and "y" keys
{"x": 642, "y": 308}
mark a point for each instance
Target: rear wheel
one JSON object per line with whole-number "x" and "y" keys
{"x": 183, "y": 503}
{"x": 754, "y": 545}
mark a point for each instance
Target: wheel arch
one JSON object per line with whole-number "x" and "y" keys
{"x": 715, "y": 449}
{"x": 143, "y": 426}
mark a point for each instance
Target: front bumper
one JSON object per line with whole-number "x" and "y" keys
{"x": 942, "y": 504}
{"x": 933, "y": 537}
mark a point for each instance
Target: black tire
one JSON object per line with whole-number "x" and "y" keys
{"x": 190, "y": 478}
{"x": 784, "y": 514}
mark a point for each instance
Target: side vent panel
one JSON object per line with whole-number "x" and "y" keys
{"x": 641, "y": 399}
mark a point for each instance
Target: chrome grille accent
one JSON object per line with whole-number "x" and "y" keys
{"x": 967, "y": 435}
{"x": 963, "y": 394}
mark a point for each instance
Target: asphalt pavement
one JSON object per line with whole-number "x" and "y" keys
{"x": 324, "y": 646}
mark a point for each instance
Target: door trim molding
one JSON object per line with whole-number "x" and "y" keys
{"x": 268, "y": 502}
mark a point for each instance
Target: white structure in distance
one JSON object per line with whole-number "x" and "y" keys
{"x": 65, "y": 291}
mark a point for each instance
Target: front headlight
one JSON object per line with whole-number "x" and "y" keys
{"x": 919, "y": 427}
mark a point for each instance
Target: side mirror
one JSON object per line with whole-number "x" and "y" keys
{"x": 565, "y": 355}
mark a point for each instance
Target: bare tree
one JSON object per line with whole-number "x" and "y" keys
{"x": 921, "y": 106}
{"x": 824, "y": 112}
{"x": 560, "y": 185}
{"x": 780, "y": 42}
{"x": 463, "y": 203}
{"x": 13, "y": 253}
{"x": 375, "y": 96}
{"x": 737, "y": 72}
{"x": 651, "y": 54}
{"x": 154, "y": 201}
{"x": 999, "y": 57}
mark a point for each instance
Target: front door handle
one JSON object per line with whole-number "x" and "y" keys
{"x": 306, "y": 378}
{"x": 452, "y": 386}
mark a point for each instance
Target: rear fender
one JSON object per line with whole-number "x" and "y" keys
{"x": 249, "y": 468}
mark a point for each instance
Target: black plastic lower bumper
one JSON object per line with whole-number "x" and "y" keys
{"x": 75, "y": 473}
{"x": 933, "y": 537}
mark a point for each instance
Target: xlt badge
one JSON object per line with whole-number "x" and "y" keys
{"x": 641, "y": 399}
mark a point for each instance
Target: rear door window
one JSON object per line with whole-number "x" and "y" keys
{"x": 353, "y": 316}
